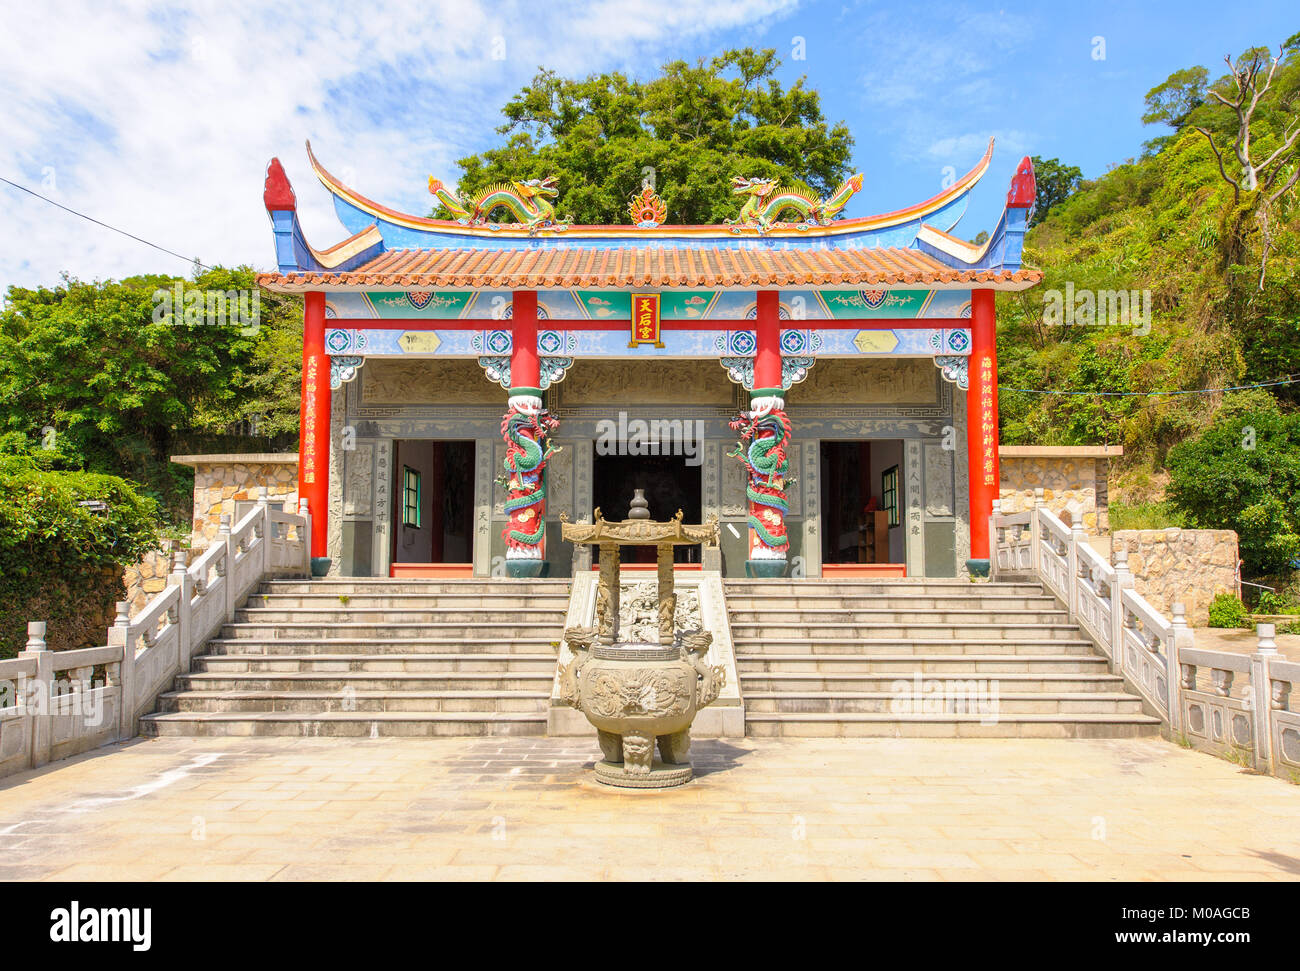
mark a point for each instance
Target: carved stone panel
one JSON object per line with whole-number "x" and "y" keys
{"x": 389, "y": 382}
{"x": 559, "y": 481}
{"x": 847, "y": 381}
{"x": 914, "y": 491}
{"x": 334, "y": 532}
{"x": 810, "y": 476}
{"x": 711, "y": 477}
{"x": 938, "y": 479}
{"x": 733, "y": 500}
{"x": 484, "y": 489}
{"x": 381, "y": 553}
{"x": 359, "y": 480}
{"x": 794, "y": 489}
{"x": 644, "y": 383}
{"x": 961, "y": 485}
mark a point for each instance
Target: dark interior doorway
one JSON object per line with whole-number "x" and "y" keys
{"x": 861, "y": 502}
{"x": 433, "y": 502}
{"x": 669, "y": 483}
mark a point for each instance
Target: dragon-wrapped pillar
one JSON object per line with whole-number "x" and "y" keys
{"x": 526, "y": 428}
{"x": 764, "y": 447}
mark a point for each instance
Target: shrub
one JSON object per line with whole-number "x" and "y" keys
{"x": 1242, "y": 472}
{"x": 1228, "y": 611}
{"x": 64, "y": 538}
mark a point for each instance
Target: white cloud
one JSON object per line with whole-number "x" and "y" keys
{"x": 161, "y": 120}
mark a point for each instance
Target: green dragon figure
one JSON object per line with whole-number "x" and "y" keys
{"x": 526, "y": 200}
{"x": 767, "y": 201}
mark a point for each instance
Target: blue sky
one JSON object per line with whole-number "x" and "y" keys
{"x": 160, "y": 118}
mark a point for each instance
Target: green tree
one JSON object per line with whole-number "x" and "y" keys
{"x": 89, "y": 376}
{"x": 688, "y": 131}
{"x": 1054, "y": 184}
{"x": 1242, "y": 472}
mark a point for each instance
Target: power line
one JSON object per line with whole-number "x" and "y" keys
{"x": 188, "y": 259}
{"x": 1156, "y": 394}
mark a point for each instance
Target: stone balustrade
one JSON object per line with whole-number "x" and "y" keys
{"x": 56, "y": 704}
{"x": 1236, "y": 705}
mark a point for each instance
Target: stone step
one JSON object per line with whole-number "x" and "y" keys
{"x": 1015, "y": 681}
{"x": 751, "y": 632}
{"x": 351, "y": 724}
{"x": 394, "y": 617}
{"x": 536, "y": 682}
{"x": 430, "y": 664}
{"x": 779, "y": 617}
{"x": 891, "y": 601}
{"x": 875, "y": 646}
{"x": 958, "y": 702}
{"x": 903, "y": 665}
{"x": 379, "y": 631}
{"x": 814, "y": 724}
{"x": 355, "y": 700}
{"x": 403, "y": 601}
{"x": 858, "y": 587}
{"x": 381, "y": 646}
{"x": 354, "y": 586}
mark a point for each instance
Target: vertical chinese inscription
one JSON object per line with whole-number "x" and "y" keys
{"x": 645, "y": 320}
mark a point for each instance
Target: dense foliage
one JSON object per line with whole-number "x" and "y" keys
{"x": 689, "y": 130}
{"x": 1166, "y": 224}
{"x": 63, "y": 538}
{"x": 1242, "y": 472}
{"x": 89, "y": 380}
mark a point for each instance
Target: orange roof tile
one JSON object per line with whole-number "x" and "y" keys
{"x": 646, "y": 266}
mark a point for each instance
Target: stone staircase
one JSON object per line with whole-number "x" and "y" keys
{"x": 369, "y": 658}
{"x": 824, "y": 658}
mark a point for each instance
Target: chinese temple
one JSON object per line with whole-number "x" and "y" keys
{"x": 825, "y": 386}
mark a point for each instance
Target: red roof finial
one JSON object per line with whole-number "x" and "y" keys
{"x": 1023, "y": 186}
{"x": 279, "y": 194}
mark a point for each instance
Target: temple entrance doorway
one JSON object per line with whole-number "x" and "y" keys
{"x": 433, "y": 509}
{"x": 669, "y": 483}
{"x": 862, "y": 499}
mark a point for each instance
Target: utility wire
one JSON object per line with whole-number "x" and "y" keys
{"x": 1156, "y": 394}
{"x": 188, "y": 259}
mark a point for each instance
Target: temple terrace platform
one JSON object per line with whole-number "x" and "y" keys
{"x": 527, "y": 808}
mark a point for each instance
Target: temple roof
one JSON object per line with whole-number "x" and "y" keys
{"x": 655, "y": 267}
{"x": 780, "y": 238}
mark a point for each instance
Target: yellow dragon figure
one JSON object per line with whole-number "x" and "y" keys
{"x": 527, "y": 201}
{"x": 767, "y": 201}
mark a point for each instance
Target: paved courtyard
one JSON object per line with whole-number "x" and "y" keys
{"x": 526, "y": 808}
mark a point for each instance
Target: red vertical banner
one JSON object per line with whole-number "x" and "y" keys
{"x": 645, "y": 320}
{"x": 314, "y": 423}
{"x": 982, "y": 420}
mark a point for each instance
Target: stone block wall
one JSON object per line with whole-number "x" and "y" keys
{"x": 146, "y": 578}
{"x": 1188, "y": 566}
{"x": 220, "y": 481}
{"x": 1073, "y": 481}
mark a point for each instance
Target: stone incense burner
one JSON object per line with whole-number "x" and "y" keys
{"x": 638, "y": 695}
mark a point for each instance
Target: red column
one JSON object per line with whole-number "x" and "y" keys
{"x": 767, "y": 332}
{"x": 314, "y": 423}
{"x": 525, "y": 375}
{"x": 982, "y": 420}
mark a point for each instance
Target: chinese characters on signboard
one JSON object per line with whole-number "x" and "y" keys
{"x": 309, "y": 424}
{"x": 988, "y": 424}
{"x": 645, "y": 320}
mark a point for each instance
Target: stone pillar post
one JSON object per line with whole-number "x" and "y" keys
{"x": 39, "y": 694}
{"x": 1262, "y": 701}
